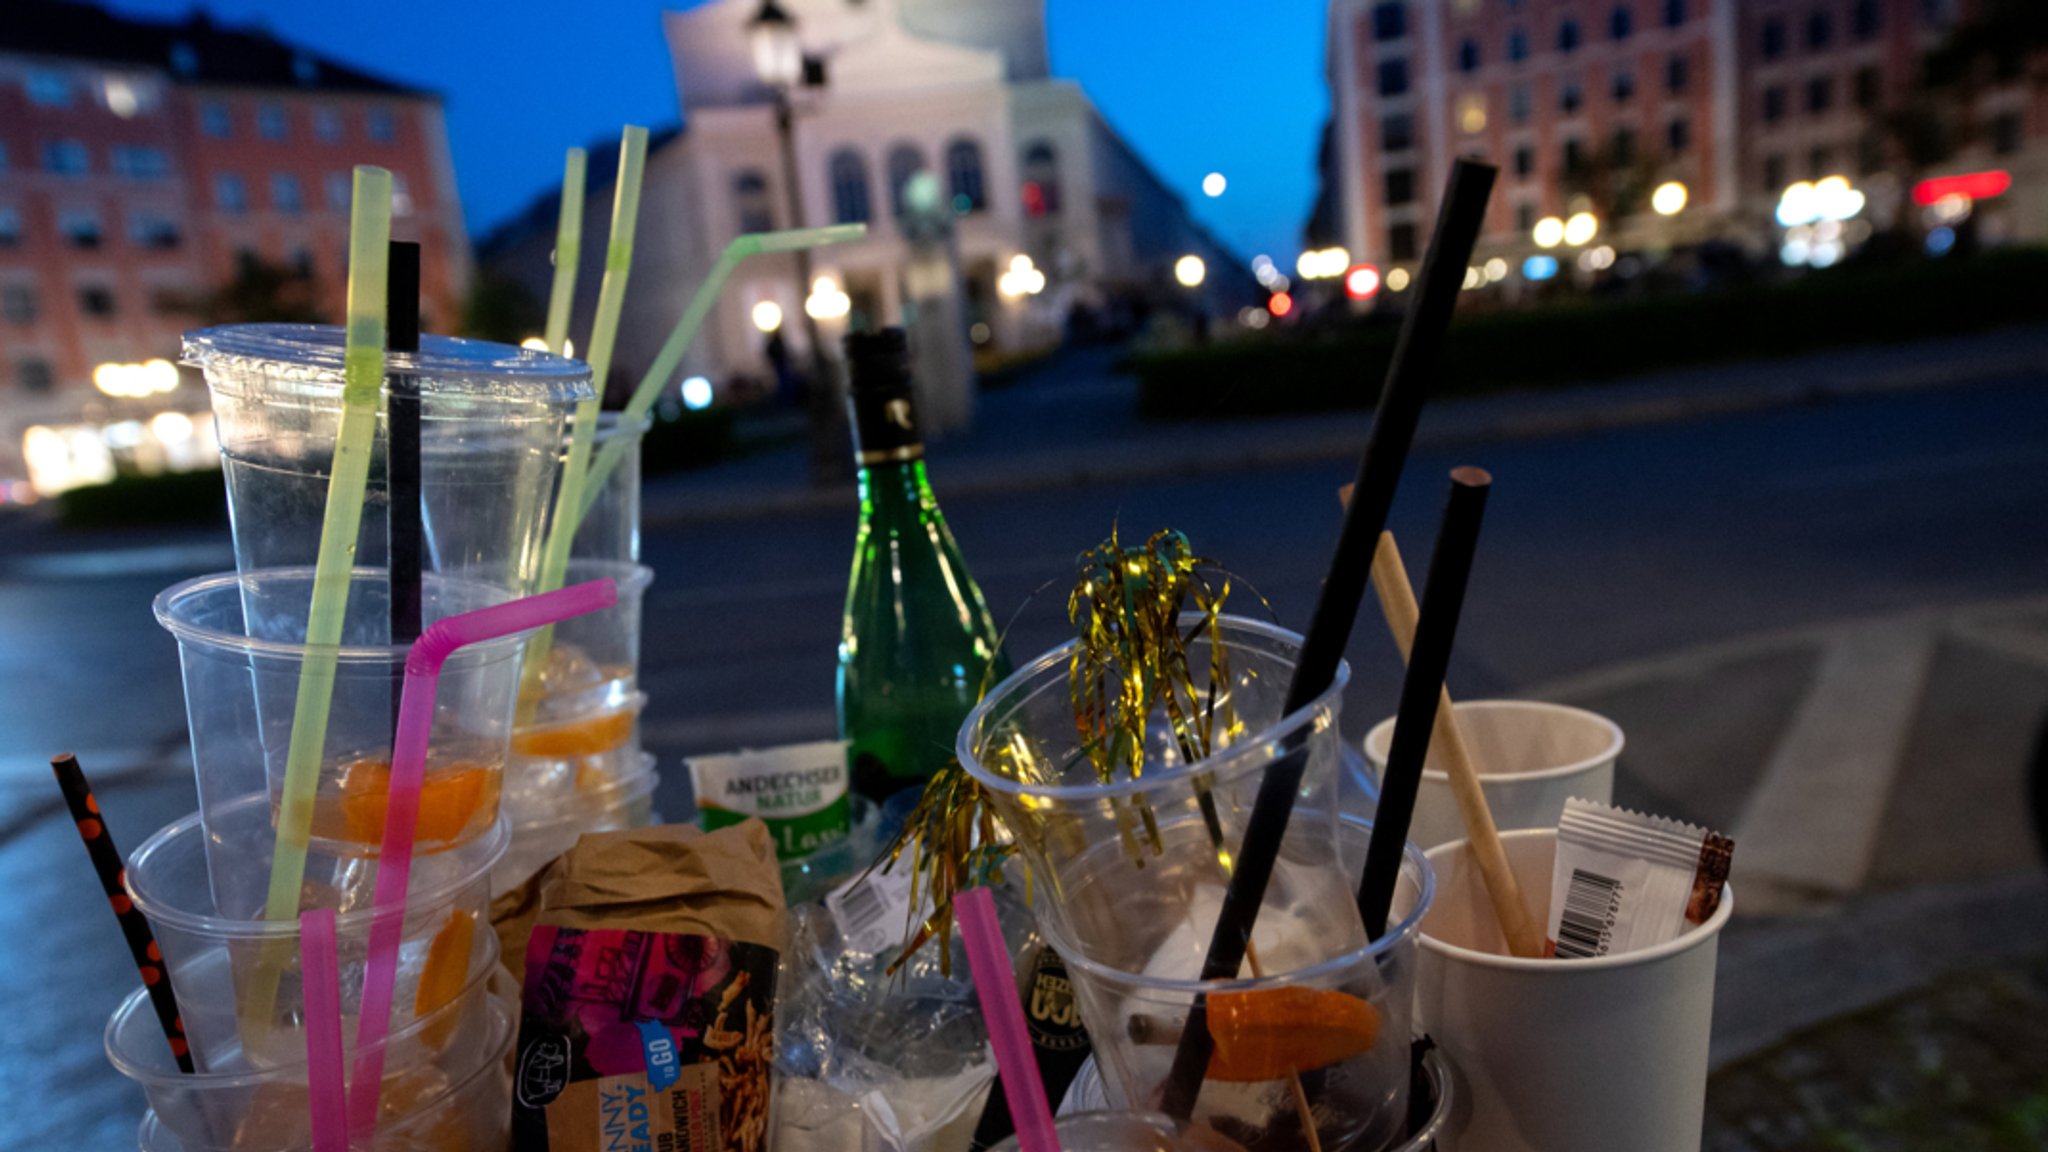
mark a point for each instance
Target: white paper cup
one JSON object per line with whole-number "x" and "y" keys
{"x": 1532, "y": 757}
{"x": 1607, "y": 1054}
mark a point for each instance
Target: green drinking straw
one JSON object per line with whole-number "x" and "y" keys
{"x": 363, "y": 383}
{"x": 568, "y": 251}
{"x": 685, "y": 332}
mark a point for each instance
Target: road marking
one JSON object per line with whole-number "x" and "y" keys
{"x": 1813, "y": 821}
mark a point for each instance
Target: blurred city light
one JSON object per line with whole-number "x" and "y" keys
{"x": 1190, "y": 271}
{"x": 1323, "y": 263}
{"x": 1597, "y": 259}
{"x": 1022, "y": 279}
{"x": 1548, "y": 233}
{"x": 1496, "y": 270}
{"x": 1539, "y": 268}
{"x": 1940, "y": 240}
{"x": 1581, "y": 228}
{"x": 135, "y": 381}
{"x": 767, "y": 315}
{"x": 1970, "y": 186}
{"x": 1213, "y": 185}
{"x": 1669, "y": 199}
{"x": 827, "y": 301}
{"x": 1473, "y": 278}
{"x": 1830, "y": 199}
{"x": 696, "y": 393}
{"x": 1362, "y": 282}
{"x": 1953, "y": 208}
{"x": 1254, "y": 318}
{"x": 1280, "y": 304}
{"x": 1397, "y": 280}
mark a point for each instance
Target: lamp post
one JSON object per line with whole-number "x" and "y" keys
{"x": 779, "y": 63}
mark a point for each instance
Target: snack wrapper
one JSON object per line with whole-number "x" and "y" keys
{"x": 1624, "y": 881}
{"x": 649, "y": 994}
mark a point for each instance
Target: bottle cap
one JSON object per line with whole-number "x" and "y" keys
{"x": 880, "y": 391}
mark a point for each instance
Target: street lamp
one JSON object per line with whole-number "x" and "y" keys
{"x": 779, "y": 63}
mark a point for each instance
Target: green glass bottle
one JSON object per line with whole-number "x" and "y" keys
{"x": 917, "y": 640}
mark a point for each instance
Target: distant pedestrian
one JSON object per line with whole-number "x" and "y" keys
{"x": 787, "y": 392}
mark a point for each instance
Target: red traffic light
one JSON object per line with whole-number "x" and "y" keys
{"x": 1362, "y": 281}
{"x": 1280, "y": 304}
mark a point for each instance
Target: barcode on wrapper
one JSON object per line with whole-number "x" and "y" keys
{"x": 1587, "y": 926}
{"x": 872, "y": 911}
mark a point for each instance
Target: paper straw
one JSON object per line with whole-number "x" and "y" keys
{"x": 685, "y": 333}
{"x": 1436, "y": 630}
{"x": 106, "y": 860}
{"x": 320, "y": 976}
{"x": 1397, "y": 604}
{"x": 1409, "y": 375}
{"x": 995, "y": 983}
{"x": 568, "y": 252}
{"x": 402, "y": 804}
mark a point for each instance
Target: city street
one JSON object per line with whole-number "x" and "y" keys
{"x": 1725, "y": 587}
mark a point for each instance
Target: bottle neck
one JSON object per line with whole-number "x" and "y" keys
{"x": 895, "y": 489}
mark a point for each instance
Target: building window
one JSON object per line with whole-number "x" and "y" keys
{"x": 328, "y": 125}
{"x": 10, "y": 227}
{"x": 1525, "y": 160}
{"x": 1393, "y": 77}
{"x": 216, "y": 120}
{"x": 1468, "y": 55}
{"x": 139, "y": 163}
{"x": 849, "y": 180}
{"x": 1774, "y": 174}
{"x": 34, "y": 375}
{"x": 1820, "y": 161}
{"x": 18, "y": 303}
{"x": 1869, "y": 87}
{"x": 1678, "y": 136}
{"x": 340, "y": 191}
{"x": 1397, "y": 132}
{"x": 1624, "y": 85}
{"x": 1525, "y": 216}
{"x": 383, "y": 126}
{"x": 270, "y": 123}
{"x": 1574, "y": 158}
{"x": 1677, "y": 73}
{"x": 1774, "y": 38}
{"x": 1568, "y": 36}
{"x": 1518, "y": 45}
{"x": 1519, "y": 103}
{"x": 230, "y": 194}
{"x": 80, "y": 226}
{"x": 1674, "y": 13}
{"x": 1623, "y": 149}
{"x": 1472, "y": 113}
{"x": 96, "y": 300}
{"x": 1621, "y": 23}
{"x": 1774, "y": 103}
{"x": 1820, "y": 94}
{"x": 964, "y": 177}
{"x": 1041, "y": 178}
{"x": 1820, "y": 31}
{"x": 905, "y": 161}
{"x": 48, "y": 88}
{"x": 66, "y": 158}
{"x": 149, "y": 230}
{"x": 1400, "y": 186}
{"x": 1569, "y": 96}
{"x": 2005, "y": 133}
{"x": 286, "y": 197}
{"x": 1389, "y": 21}
{"x": 750, "y": 200}
{"x": 1401, "y": 242}
{"x": 1865, "y": 18}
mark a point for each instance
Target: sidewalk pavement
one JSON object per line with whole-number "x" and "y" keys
{"x": 1073, "y": 421}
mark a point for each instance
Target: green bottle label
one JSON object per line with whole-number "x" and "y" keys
{"x": 798, "y": 790}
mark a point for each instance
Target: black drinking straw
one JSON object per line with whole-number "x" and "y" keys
{"x": 402, "y": 456}
{"x": 1436, "y": 628}
{"x": 1416, "y": 353}
{"x": 106, "y": 860}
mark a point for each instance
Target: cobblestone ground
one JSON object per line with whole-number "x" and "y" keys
{"x": 1960, "y": 1067}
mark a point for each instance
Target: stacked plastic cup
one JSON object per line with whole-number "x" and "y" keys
{"x": 577, "y": 763}
{"x": 491, "y": 419}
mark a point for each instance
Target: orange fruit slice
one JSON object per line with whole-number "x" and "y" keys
{"x": 451, "y": 799}
{"x": 444, "y": 974}
{"x": 1275, "y": 1032}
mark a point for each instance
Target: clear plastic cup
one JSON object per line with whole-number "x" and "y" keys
{"x": 492, "y": 418}
{"x": 539, "y": 837}
{"x": 240, "y": 645}
{"x": 610, "y": 530}
{"x": 578, "y": 723}
{"x": 1340, "y": 1025}
{"x": 216, "y": 945}
{"x": 441, "y": 1045}
{"x": 469, "y": 1114}
{"x": 1115, "y": 861}
{"x": 1128, "y": 1132}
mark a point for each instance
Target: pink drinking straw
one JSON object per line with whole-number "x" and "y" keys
{"x": 402, "y": 810}
{"x": 995, "y": 982}
{"x": 320, "y": 976}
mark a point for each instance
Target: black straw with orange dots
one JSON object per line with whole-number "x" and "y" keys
{"x": 106, "y": 860}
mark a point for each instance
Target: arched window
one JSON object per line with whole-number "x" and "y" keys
{"x": 1041, "y": 179}
{"x": 849, "y": 188}
{"x": 963, "y": 176}
{"x": 750, "y": 197}
{"x": 905, "y": 161}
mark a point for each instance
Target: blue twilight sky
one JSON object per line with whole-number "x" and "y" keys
{"x": 1195, "y": 85}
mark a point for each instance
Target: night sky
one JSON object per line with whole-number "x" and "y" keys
{"x": 1194, "y": 85}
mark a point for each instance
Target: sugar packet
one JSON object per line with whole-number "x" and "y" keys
{"x": 1624, "y": 881}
